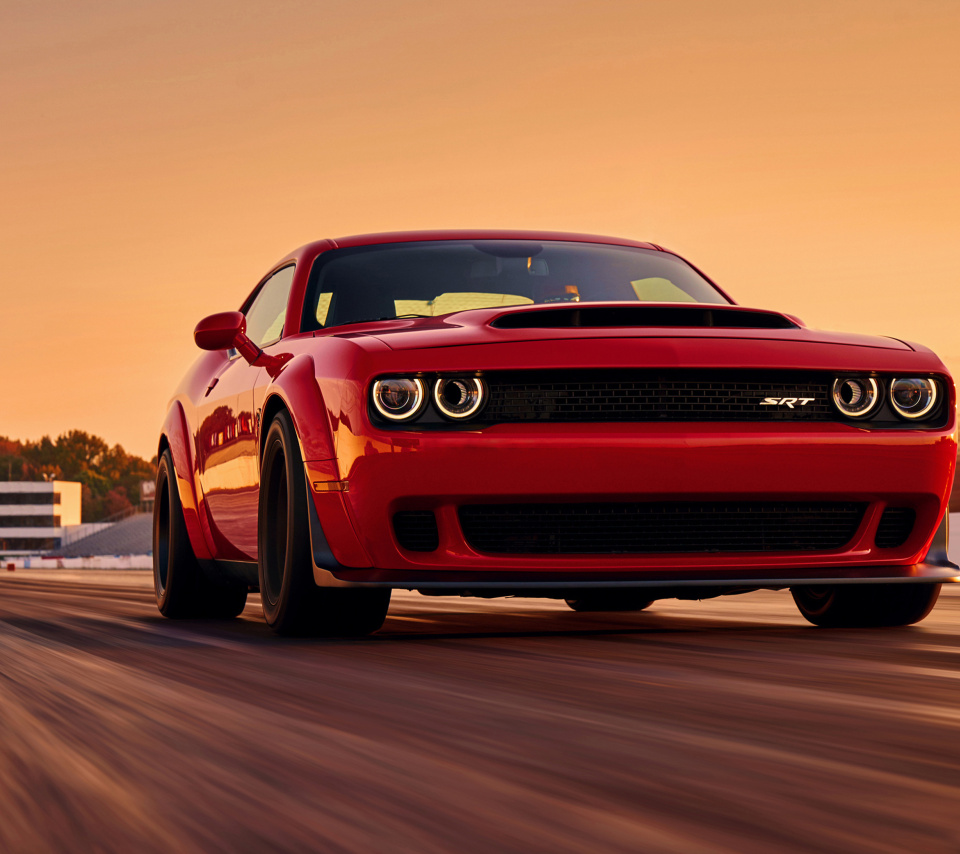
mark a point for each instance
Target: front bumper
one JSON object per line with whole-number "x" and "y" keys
{"x": 388, "y": 472}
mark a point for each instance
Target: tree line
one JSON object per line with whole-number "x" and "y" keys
{"x": 110, "y": 477}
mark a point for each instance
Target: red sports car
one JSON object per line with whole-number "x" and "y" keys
{"x": 540, "y": 414}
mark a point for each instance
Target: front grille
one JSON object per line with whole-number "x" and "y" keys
{"x": 416, "y": 530}
{"x": 671, "y": 526}
{"x": 896, "y": 526}
{"x": 657, "y": 396}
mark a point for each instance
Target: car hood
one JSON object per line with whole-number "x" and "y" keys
{"x": 600, "y": 320}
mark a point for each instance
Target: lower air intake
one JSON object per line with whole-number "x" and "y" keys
{"x": 896, "y": 526}
{"x": 661, "y": 527}
{"x": 416, "y": 530}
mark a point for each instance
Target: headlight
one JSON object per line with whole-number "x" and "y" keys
{"x": 458, "y": 398}
{"x": 856, "y": 397}
{"x": 913, "y": 397}
{"x": 399, "y": 399}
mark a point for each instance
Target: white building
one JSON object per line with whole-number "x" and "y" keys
{"x": 33, "y": 515}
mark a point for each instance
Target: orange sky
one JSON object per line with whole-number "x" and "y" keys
{"x": 157, "y": 157}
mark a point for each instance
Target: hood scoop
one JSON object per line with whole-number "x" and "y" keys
{"x": 621, "y": 316}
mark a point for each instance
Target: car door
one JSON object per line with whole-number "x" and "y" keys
{"x": 227, "y": 442}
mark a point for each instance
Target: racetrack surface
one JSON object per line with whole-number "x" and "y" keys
{"x": 470, "y": 726}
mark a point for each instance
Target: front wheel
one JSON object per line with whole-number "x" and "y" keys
{"x": 865, "y": 605}
{"x": 292, "y": 602}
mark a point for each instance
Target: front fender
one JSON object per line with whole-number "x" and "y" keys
{"x": 178, "y": 440}
{"x": 296, "y": 386}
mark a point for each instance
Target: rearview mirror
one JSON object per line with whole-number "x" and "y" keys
{"x": 220, "y": 331}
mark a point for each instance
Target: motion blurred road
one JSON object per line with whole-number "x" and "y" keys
{"x": 469, "y": 726}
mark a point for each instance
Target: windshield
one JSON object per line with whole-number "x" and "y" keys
{"x": 439, "y": 277}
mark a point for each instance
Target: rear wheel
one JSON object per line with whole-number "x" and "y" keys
{"x": 180, "y": 584}
{"x": 292, "y": 602}
{"x": 865, "y": 605}
{"x": 624, "y": 600}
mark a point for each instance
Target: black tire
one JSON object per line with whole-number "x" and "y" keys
{"x": 292, "y": 602}
{"x": 180, "y": 584}
{"x": 865, "y": 605}
{"x": 622, "y": 600}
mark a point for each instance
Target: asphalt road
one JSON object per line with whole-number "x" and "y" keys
{"x": 470, "y": 726}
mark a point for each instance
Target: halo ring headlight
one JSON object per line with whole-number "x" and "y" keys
{"x": 458, "y": 398}
{"x": 912, "y": 397}
{"x": 856, "y": 397}
{"x": 399, "y": 398}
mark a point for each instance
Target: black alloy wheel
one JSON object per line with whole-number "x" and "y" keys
{"x": 865, "y": 605}
{"x": 180, "y": 584}
{"x": 611, "y": 600}
{"x": 292, "y": 602}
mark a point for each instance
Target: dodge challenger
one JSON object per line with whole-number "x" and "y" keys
{"x": 591, "y": 419}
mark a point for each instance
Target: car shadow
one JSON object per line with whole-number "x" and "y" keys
{"x": 427, "y": 626}
{"x": 94, "y": 630}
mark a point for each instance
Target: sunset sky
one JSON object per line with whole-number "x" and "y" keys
{"x": 157, "y": 157}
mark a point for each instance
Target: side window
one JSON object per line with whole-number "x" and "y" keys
{"x": 266, "y": 315}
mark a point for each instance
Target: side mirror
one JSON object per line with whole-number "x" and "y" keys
{"x": 227, "y": 330}
{"x": 220, "y": 331}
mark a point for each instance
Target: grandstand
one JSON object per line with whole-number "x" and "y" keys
{"x": 130, "y": 536}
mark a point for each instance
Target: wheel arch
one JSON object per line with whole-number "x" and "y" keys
{"x": 175, "y": 437}
{"x": 272, "y": 406}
